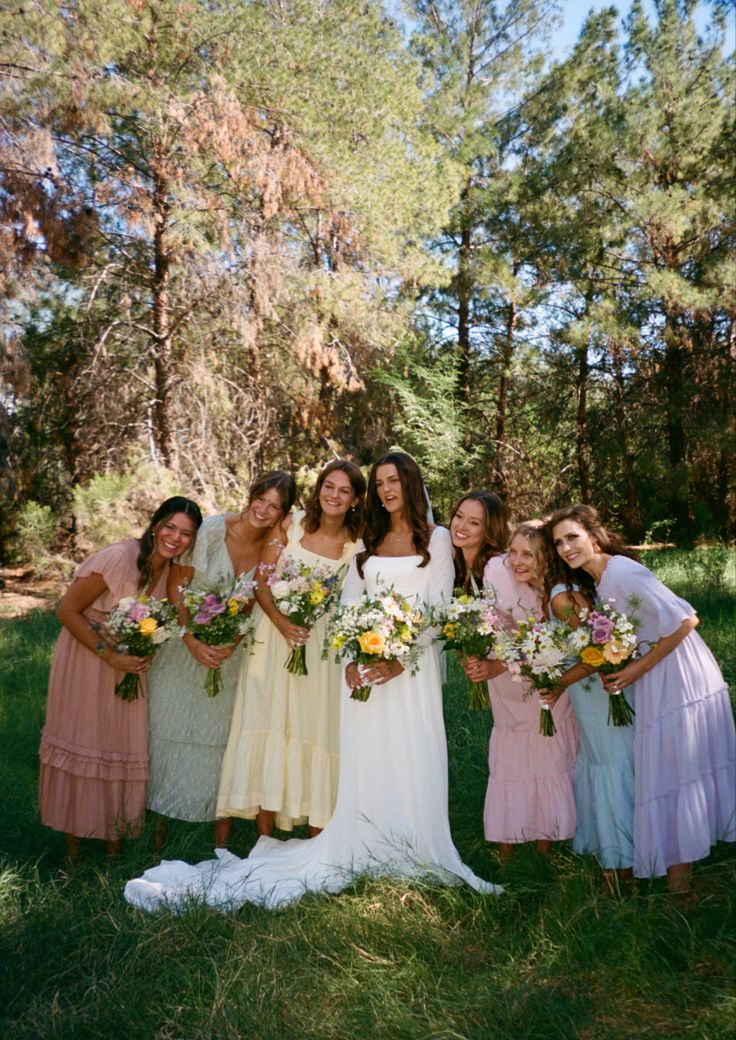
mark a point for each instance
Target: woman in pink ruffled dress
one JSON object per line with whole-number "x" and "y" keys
{"x": 94, "y": 745}
{"x": 530, "y": 791}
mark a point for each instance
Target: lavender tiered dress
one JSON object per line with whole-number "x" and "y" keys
{"x": 684, "y": 745}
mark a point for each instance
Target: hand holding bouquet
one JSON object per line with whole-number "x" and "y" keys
{"x": 536, "y": 651}
{"x": 385, "y": 627}
{"x": 606, "y": 640}
{"x": 138, "y": 626}
{"x": 219, "y": 618}
{"x": 304, "y": 594}
{"x": 468, "y": 624}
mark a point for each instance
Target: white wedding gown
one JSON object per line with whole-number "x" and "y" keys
{"x": 391, "y": 813}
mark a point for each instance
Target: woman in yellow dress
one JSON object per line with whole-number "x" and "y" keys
{"x": 281, "y": 762}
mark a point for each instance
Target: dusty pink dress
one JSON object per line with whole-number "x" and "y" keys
{"x": 94, "y": 746}
{"x": 530, "y": 784}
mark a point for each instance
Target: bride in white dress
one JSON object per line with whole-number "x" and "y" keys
{"x": 391, "y": 816}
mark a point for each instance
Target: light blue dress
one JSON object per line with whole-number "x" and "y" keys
{"x": 604, "y": 775}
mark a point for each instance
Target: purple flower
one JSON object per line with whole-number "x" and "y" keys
{"x": 138, "y": 611}
{"x": 602, "y": 629}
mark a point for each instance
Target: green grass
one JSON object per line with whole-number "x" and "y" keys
{"x": 553, "y": 958}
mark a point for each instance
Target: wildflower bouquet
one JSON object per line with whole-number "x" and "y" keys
{"x": 383, "y": 627}
{"x": 536, "y": 651}
{"x": 606, "y": 640}
{"x": 138, "y": 625}
{"x": 219, "y": 618}
{"x": 468, "y": 624}
{"x": 304, "y": 594}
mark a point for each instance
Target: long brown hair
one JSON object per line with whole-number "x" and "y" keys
{"x": 495, "y": 535}
{"x": 377, "y": 520}
{"x": 147, "y": 541}
{"x": 354, "y": 516}
{"x": 607, "y": 541}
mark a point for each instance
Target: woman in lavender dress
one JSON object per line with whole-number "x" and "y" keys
{"x": 684, "y": 743}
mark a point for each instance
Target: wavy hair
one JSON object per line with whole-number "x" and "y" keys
{"x": 495, "y": 535}
{"x": 607, "y": 541}
{"x": 377, "y": 520}
{"x": 354, "y": 517}
{"x": 276, "y": 478}
{"x": 147, "y": 541}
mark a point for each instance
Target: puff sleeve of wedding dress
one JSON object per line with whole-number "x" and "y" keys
{"x": 391, "y": 817}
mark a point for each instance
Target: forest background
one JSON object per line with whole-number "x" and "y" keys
{"x": 248, "y": 234}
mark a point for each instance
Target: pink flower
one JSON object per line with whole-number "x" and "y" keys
{"x": 138, "y": 612}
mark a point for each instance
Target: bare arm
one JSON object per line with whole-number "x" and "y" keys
{"x": 641, "y": 665}
{"x": 79, "y": 596}
{"x": 293, "y": 634}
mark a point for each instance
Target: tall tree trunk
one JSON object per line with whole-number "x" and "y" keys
{"x": 581, "y": 423}
{"x": 632, "y": 512}
{"x": 162, "y": 340}
{"x": 464, "y": 284}
{"x": 673, "y": 376}
{"x": 507, "y": 353}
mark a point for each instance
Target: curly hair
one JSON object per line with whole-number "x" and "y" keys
{"x": 377, "y": 520}
{"x": 559, "y": 572}
{"x": 354, "y": 518}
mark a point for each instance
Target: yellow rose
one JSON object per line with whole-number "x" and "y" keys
{"x": 591, "y": 655}
{"x": 371, "y": 643}
{"x": 233, "y": 607}
{"x": 449, "y": 630}
{"x": 316, "y": 596}
{"x": 147, "y": 626}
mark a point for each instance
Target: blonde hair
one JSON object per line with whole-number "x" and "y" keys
{"x": 533, "y": 531}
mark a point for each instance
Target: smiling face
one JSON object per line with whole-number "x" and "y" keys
{"x": 468, "y": 527}
{"x": 524, "y": 563}
{"x": 389, "y": 489}
{"x": 336, "y": 495}
{"x": 266, "y": 509}
{"x": 574, "y": 544}
{"x": 173, "y": 535}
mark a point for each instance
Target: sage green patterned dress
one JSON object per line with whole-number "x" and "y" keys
{"x": 188, "y": 730}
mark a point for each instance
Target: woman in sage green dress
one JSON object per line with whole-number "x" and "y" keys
{"x": 187, "y": 729}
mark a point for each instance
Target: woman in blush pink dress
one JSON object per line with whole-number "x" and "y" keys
{"x": 530, "y": 790}
{"x": 94, "y": 745}
{"x": 684, "y": 741}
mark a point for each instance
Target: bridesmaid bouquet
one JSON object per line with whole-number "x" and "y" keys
{"x": 304, "y": 594}
{"x": 138, "y": 625}
{"x": 383, "y": 627}
{"x": 219, "y": 618}
{"x": 536, "y": 651}
{"x": 606, "y": 640}
{"x": 470, "y": 625}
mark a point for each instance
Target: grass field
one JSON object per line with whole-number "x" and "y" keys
{"x": 553, "y": 958}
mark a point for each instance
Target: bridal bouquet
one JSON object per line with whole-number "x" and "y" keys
{"x": 304, "y": 594}
{"x": 606, "y": 640}
{"x": 468, "y": 624}
{"x": 138, "y": 625}
{"x": 383, "y": 627}
{"x": 536, "y": 651}
{"x": 220, "y": 618}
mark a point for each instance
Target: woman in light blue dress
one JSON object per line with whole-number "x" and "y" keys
{"x": 604, "y": 767}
